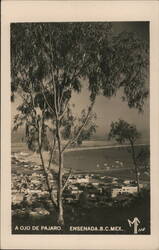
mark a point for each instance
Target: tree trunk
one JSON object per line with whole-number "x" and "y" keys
{"x": 60, "y": 188}
{"x": 137, "y": 179}
{"x": 46, "y": 171}
{"x": 136, "y": 167}
{"x": 49, "y": 185}
{"x": 60, "y": 219}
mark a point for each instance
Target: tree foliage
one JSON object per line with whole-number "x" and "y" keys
{"x": 69, "y": 52}
{"x": 71, "y": 125}
{"x": 143, "y": 157}
{"x": 123, "y": 132}
{"x": 50, "y": 61}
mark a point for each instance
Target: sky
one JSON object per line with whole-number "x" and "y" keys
{"x": 109, "y": 110}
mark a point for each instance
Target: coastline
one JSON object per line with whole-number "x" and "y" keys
{"x": 102, "y": 147}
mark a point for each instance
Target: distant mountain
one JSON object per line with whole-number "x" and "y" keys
{"x": 19, "y": 136}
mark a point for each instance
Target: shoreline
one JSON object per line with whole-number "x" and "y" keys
{"x": 102, "y": 147}
{"x": 82, "y": 148}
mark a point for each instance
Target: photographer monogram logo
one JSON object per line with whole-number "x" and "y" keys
{"x": 135, "y": 222}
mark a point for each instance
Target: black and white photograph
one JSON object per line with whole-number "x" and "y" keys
{"x": 79, "y": 125}
{"x": 80, "y": 150}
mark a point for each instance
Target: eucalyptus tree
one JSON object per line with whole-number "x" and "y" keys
{"x": 123, "y": 132}
{"x": 70, "y": 130}
{"x": 143, "y": 158}
{"x": 50, "y": 61}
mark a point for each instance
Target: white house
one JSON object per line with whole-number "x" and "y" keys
{"x": 83, "y": 180}
{"x": 124, "y": 190}
{"x": 79, "y": 180}
{"x": 95, "y": 184}
{"x": 127, "y": 182}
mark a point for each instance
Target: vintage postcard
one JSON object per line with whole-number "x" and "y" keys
{"x": 80, "y": 125}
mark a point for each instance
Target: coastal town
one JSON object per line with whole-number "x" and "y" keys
{"x": 98, "y": 189}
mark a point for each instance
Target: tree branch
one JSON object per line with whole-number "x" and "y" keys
{"x": 46, "y": 98}
{"x": 65, "y": 184}
{"x": 28, "y": 103}
{"x": 52, "y": 153}
{"x": 80, "y": 129}
{"x": 46, "y": 173}
{"x": 64, "y": 111}
{"x": 52, "y": 75}
{"x": 74, "y": 75}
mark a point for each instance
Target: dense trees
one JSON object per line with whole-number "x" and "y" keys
{"x": 49, "y": 61}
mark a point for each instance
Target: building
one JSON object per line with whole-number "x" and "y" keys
{"x": 79, "y": 179}
{"x": 124, "y": 190}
